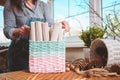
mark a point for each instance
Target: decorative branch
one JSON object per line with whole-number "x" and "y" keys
{"x": 109, "y": 24}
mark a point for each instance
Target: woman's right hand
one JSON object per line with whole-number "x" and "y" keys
{"x": 66, "y": 26}
{"x": 22, "y": 31}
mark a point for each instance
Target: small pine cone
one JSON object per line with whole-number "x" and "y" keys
{"x": 67, "y": 69}
{"x": 81, "y": 63}
{"x": 115, "y": 68}
{"x": 95, "y": 64}
{"x": 67, "y": 64}
{"x": 72, "y": 67}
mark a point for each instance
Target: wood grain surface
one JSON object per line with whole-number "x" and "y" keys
{"x": 25, "y": 75}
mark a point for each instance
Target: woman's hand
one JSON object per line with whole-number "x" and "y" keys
{"x": 22, "y": 31}
{"x": 66, "y": 26}
{"x": 26, "y": 30}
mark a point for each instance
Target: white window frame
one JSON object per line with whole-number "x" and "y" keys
{"x": 95, "y": 11}
{"x": 95, "y": 7}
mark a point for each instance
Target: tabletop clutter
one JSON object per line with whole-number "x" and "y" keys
{"x": 104, "y": 60}
{"x": 46, "y": 48}
{"x": 47, "y": 53}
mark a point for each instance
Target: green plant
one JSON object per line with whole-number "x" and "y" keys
{"x": 92, "y": 33}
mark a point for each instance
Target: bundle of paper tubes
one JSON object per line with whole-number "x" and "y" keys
{"x": 42, "y": 32}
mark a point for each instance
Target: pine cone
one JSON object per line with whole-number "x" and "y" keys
{"x": 115, "y": 68}
{"x": 95, "y": 64}
{"x": 81, "y": 64}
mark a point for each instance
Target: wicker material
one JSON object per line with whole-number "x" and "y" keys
{"x": 23, "y": 75}
{"x": 108, "y": 47}
{"x": 47, "y": 57}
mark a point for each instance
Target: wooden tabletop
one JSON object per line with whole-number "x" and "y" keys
{"x": 25, "y": 75}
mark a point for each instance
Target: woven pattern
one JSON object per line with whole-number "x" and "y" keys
{"x": 47, "y": 56}
{"x": 112, "y": 47}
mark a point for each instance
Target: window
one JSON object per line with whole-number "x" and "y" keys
{"x": 76, "y": 12}
{"x": 111, "y": 11}
{"x": 3, "y": 40}
{"x": 1, "y": 18}
{"x": 44, "y": 1}
{"x": 109, "y": 6}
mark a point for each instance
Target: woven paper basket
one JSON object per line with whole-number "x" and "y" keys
{"x": 47, "y": 56}
{"x": 112, "y": 48}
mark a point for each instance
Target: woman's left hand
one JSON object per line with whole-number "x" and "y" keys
{"x": 26, "y": 30}
{"x": 66, "y": 26}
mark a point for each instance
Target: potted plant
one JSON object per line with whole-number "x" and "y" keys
{"x": 88, "y": 36}
{"x": 91, "y": 34}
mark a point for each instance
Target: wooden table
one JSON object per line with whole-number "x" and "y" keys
{"x": 25, "y": 75}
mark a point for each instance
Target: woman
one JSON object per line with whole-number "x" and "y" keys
{"x": 17, "y": 16}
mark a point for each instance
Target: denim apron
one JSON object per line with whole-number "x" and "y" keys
{"x": 18, "y": 57}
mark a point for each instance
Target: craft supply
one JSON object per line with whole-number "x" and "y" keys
{"x": 61, "y": 34}
{"x": 32, "y": 32}
{"x": 45, "y": 30}
{"x": 38, "y": 31}
{"x": 55, "y": 32}
{"x": 47, "y": 56}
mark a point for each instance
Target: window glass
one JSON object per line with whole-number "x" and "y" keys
{"x": 44, "y": 1}
{"x": 76, "y": 12}
{"x": 111, "y": 6}
{"x": 3, "y": 40}
{"x": 1, "y": 18}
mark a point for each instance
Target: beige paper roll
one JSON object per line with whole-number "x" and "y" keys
{"x": 55, "y": 32}
{"x": 38, "y": 30}
{"x": 61, "y": 35}
{"x": 32, "y": 32}
{"x": 46, "y": 30}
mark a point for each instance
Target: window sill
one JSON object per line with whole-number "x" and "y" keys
{"x": 74, "y": 42}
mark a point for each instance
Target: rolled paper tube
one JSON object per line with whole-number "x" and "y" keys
{"x": 57, "y": 25}
{"x": 38, "y": 29}
{"x": 46, "y": 30}
{"x": 32, "y": 32}
{"x": 61, "y": 34}
{"x": 55, "y": 32}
